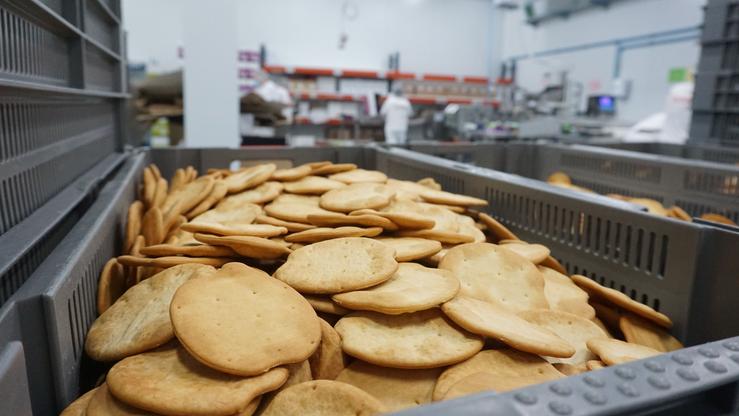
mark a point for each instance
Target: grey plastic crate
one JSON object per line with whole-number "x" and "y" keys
{"x": 13, "y": 373}
{"x": 675, "y": 266}
{"x": 717, "y": 91}
{"x": 721, "y": 21}
{"x": 707, "y": 152}
{"x": 696, "y": 186}
{"x": 716, "y": 127}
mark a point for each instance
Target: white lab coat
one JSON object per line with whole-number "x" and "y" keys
{"x": 396, "y": 110}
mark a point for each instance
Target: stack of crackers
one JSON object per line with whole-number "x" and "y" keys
{"x": 326, "y": 289}
{"x": 654, "y": 207}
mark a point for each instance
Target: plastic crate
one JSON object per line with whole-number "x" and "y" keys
{"x": 707, "y": 152}
{"x": 716, "y": 127}
{"x": 696, "y": 186}
{"x": 59, "y": 121}
{"x": 721, "y": 21}
{"x": 717, "y": 91}
{"x": 654, "y": 260}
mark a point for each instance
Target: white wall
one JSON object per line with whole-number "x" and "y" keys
{"x": 432, "y": 36}
{"x": 646, "y": 68}
{"x": 155, "y": 32}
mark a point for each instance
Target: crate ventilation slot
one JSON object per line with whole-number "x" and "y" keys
{"x": 712, "y": 183}
{"x": 607, "y": 166}
{"x": 30, "y": 51}
{"x": 81, "y": 306}
{"x": 625, "y": 244}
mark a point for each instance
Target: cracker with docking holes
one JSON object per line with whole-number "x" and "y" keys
{"x": 111, "y": 285}
{"x": 564, "y": 295}
{"x": 139, "y": 320}
{"x": 359, "y": 176}
{"x": 494, "y": 321}
{"x": 250, "y": 177}
{"x": 338, "y": 265}
{"x": 535, "y": 253}
{"x": 292, "y": 227}
{"x": 489, "y": 272}
{"x": 170, "y": 381}
{"x": 364, "y": 220}
{"x": 171, "y": 261}
{"x": 404, "y": 220}
{"x": 448, "y": 198}
{"x": 188, "y": 196}
{"x": 219, "y": 191}
{"x": 499, "y": 231}
{"x": 234, "y": 229}
{"x": 291, "y": 174}
{"x": 617, "y": 298}
{"x": 152, "y": 226}
{"x": 411, "y": 248}
{"x": 294, "y": 211}
{"x": 325, "y": 304}
{"x": 333, "y": 168}
{"x": 357, "y": 196}
{"x": 638, "y": 330}
{"x": 396, "y": 389}
{"x": 313, "y": 185}
{"x": 614, "y": 351}
{"x": 241, "y": 321}
{"x": 572, "y": 328}
{"x": 328, "y": 361}
{"x": 252, "y": 247}
{"x": 411, "y": 288}
{"x": 423, "y": 339}
{"x": 134, "y": 219}
{"x": 512, "y": 369}
{"x": 323, "y": 398}
{"x": 315, "y": 235}
{"x": 262, "y": 194}
{"x": 189, "y": 250}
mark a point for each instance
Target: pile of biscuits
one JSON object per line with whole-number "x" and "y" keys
{"x": 325, "y": 289}
{"x": 654, "y": 207}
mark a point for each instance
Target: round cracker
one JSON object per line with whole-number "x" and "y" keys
{"x": 111, "y": 285}
{"x": 448, "y": 198}
{"x": 188, "y": 196}
{"x": 133, "y": 224}
{"x": 595, "y": 365}
{"x": 291, "y": 174}
{"x": 292, "y": 227}
{"x": 325, "y": 304}
{"x": 79, "y": 406}
{"x": 139, "y": 320}
{"x": 338, "y": 265}
{"x": 252, "y": 247}
{"x": 447, "y": 237}
{"x": 357, "y": 196}
{"x": 396, "y": 389}
{"x": 468, "y": 227}
{"x": 410, "y": 248}
{"x": 500, "y": 231}
{"x": 293, "y": 211}
{"x": 359, "y": 176}
{"x": 613, "y": 351}
{"x": 535, "y": 253}
{"x": 230, "y": 211}
{"x": 216, "y": 195}
{"x": 241, "y": 321}
{"x": 171, "y": 261}
{"x": 234, "y": 229}
{"x": 323, "y": 398}
{"x": 553, "y": 264}
{"x": 638, "y": 330}
{"x": 407, "y": 220}
{"x": 313, "y": 185}
{"x": 195, "y": 250}
{"x": 365, "y": 220}
{"x": 564, "y": 295}
{"x": 328, "y": 361}
{"x": 505, "y": 364}
{"x": 411, "y": 288}
{"x": 424, "y": 339}
{"x": 315, "y": 235}
{"x": 102, "y": 403}
{"x": 249, "y": 177}
{"x": 333, "y": 168}
{"x": 573, "y": 329}
{"x": 170, "y": 381}
{"x": 152, "y": 226}
{"x": 262, "y": 194}
{"x": 407, "y": 189}
{"x": 619, "y": 299}
{"x": 490, "y": 273}
{"x": 494, "y": 321}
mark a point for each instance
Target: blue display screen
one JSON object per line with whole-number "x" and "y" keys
{"x": 606, "y": 104}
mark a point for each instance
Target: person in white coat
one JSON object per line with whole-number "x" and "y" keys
{"x": 396, "y": 110}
